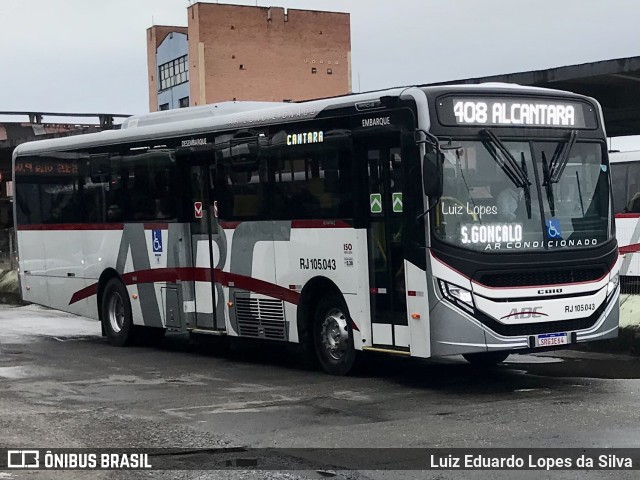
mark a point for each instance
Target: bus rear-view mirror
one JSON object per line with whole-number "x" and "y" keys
{"x": 432, "y": 174}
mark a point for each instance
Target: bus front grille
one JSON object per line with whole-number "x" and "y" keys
{"x": 260, "y": 317}
{"x": 540, "y": 277}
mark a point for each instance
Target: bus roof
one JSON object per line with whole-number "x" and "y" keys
{"x": 193, "y": 121}
{"x": 193, "y": 113}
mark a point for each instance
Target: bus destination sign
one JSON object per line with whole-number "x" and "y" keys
{"x": 515, "y": 112}
{"x": 35, "y": 166}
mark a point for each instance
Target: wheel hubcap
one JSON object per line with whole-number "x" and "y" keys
{"x": 335, "y": 334}
{"x": 116, "y": 312}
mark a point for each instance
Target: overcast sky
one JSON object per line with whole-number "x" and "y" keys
{"x": 90, "y": 55}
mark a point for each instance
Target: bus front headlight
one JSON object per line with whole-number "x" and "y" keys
{"x": 459, "y": 296}
{"x": 613, "y": 284}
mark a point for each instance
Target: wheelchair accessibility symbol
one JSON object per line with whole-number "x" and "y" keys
{"x": 156, "y": 240}
{"x": 554, "y": 231}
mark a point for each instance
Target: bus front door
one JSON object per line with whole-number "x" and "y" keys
{"x": 383, "y": 155}
{"x": 205, "y": 241}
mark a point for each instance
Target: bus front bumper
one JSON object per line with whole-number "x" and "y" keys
{"x": 455, "y": 332}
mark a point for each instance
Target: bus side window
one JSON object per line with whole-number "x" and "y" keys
{"x": 60, "y": 192}
{"x": 27, "y": 199}
{"x": 222, "y": 193}
{"x": 95, "y": 187}
{"x": 164, "y": 203}
{"x": 239, "y": 190}
{"x": 49, "y": 189}
{"x": 619, "y": 179}
{"x": 142, "y": 187}
{"x": 117, "y": 198}
{"x": 94, "y": 199}
{"x": 633, "y": 195}
{"x": 312, "y": 181}
{"x": 293, "y": 189}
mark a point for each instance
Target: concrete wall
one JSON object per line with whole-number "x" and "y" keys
{"x": 629, "y": 311}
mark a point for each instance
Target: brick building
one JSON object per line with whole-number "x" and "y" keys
{"x": 233, "y": 52}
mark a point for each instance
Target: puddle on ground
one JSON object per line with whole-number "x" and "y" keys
{"x": 587, "y": 365}
{"x": 16, "y": 372}
{"x": 531, "y": 359}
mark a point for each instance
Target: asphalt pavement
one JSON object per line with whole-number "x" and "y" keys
{"x": 63, "y": 385}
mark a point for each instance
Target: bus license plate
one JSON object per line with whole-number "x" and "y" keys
{"x": 552, "y": 339}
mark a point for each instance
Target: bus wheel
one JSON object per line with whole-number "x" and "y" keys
{"x": 116, "y": 313}
{"x": 333, "y": 336}
{"x": 486, "y": 359}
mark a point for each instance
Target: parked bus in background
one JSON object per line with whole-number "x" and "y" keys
{"x": 625, "y": 178}
{"x": 419, "y": 221}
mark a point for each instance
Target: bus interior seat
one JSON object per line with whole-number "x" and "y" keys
{"x": 245, "y": 205}
{"x": 325, "y": 199}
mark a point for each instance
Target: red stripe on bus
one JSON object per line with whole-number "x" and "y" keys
{"x": 197, "y": 274}
{"x": 257, "y": 286}
{"x": 633, "y": 248}
{"x": 448, "y": 266}
{"x": 156, "y": 226}
{"x": 172, "y": 275}
{"x": 570, "y": 284}
{"x": 72, "y": 226}
{"x": 627, "y": 215}
{"x": 165, "y": 226}
{"x": 299, "y": 224}
{"x": 520, "y": 313}
{"x": 319, "y": 224}
{"x": 229, "y": 225}
{"x": 84, "y": 293}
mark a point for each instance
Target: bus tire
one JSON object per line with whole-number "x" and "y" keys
{"x": 486, "y": 359}
{"x": 333, "y": 335}
{"x": 117, "y": 319}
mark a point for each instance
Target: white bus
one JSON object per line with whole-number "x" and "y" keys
{"x": 625, "y": 179}
{"x": 421, "y": 221}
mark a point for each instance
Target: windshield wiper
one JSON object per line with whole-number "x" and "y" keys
{"x": 547, "y": 185}
{"x": 516, "y": 173}
{"x": 559, "y": 162}
{"x": 527, "y": 190}
{"x": 554, "y": 169}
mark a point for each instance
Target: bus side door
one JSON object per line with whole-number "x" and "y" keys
{"x": 382, "y": 154}
{"x": 205, "y": 237}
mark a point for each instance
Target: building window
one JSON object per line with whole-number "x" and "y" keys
{"x": 313, "y": 70}
{"x": 174, "y": 72}
{"x": 329, "y": 71}
{"x": 183, "y": 102}
{"x": 164, "y": 106}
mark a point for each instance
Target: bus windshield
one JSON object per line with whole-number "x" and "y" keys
{"x": 494, "y": 201}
